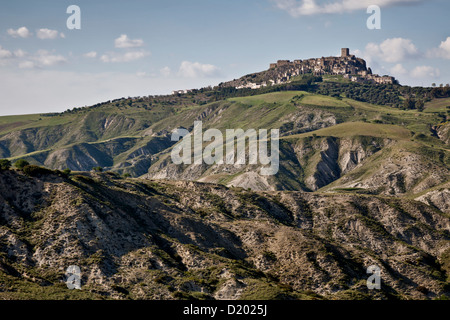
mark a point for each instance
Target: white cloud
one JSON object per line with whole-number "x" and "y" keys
{"x": 197, "y": 70}
{"x": 45, "y": 34}
{"x": 91, "y": 55}
{"x": 20, "y": 53}
{"x": 392, "y": 50}
{"x": 40, "y": 59}
{"x": 297, "y": 8}
{"x": 124, "y": 57}
{"x": 165, "y": 72}
{"x": 22, "y": 32}
{"x": 47, "y": 59}
{"x": 443, "y": 51}
{"x": 421, "y": 72}
{"x": 398, "y": 70}
{"x": 124, "y": 42}
{"x": 445, "y": 48}
{"x": 25, "y": 60}
{"x": 5, "y": 54}
{"x": 27, "y": 64}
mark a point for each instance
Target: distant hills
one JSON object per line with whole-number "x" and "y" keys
{"x": 327, "y": 141}
{"x": 363, "y": 179}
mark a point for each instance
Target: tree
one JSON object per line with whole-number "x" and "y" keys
{"x": 5, "y": 164}
{"x": 433, "y": 84}
{"x": 21, "y": 163}
{"x": 420, "y": 105}
{"x": 409, "y": 104}
{"x": 66, "y": 172}
{"x": 97, "y": 169}
{"x": 35, "y": 171}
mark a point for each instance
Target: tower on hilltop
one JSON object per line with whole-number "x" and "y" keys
{"x": 345, "y": 52}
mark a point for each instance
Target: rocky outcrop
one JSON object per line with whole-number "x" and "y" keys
{"x": 396, "y": 171}
{"x": 327, "y": 168}
{"x": 439, "y": 199}
{"x": 443, "y": 132}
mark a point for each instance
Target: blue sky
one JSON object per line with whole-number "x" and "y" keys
{"x": 137, "y": 47}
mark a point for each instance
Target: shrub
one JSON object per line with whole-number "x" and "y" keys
{"x": 97, "y": 169}
{"x": 5, "y": 164}
{"x": 422, "y": 289}
{"x": 66, "y": 172}
{"x": 269, "y": 256}
{"x": 113, "y": 174}
{"x": 33, "y": 171}
{"x": 120, "y": 289}
{"x": 21, "y": 163}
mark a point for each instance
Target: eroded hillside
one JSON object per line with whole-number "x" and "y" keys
{"x": 327, "y": 143}
{"x": 146, "y": 239}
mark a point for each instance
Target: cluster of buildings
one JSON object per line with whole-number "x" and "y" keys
{"x": 175, "y": 92}
{"x": 348, "y": 65}
{"x": 283, "y": 71}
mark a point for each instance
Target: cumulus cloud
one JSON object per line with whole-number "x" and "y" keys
{"x": 123, "y": 57}
{"x": 297, "y": 8}
{"x": 443, "y": 51}
{"x": 444, "y": 48}
{"x": 398, "y": 70}
{"x": 47, "y": 59}
{"x": 20, "y": 53}
{"x": 392, "y": 50}
{"x": 45, "y": 34}
{"x": 418, "y": 72}
{"x": 5, "y": 54}
{"x": 165, "y": 72}
{"x": 197, "y": 70}
{"x": 124, "y": 42}
{"x": 421, "y": 72}
{"x": 40, "y": 59}
{"x": 91, "y": 55}
{"x": 22, "y": 32}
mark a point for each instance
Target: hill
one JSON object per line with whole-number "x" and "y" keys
{"x": 363, "y": 179}
{"x": 324, "y": 140}
{"x": 141, "y": 239}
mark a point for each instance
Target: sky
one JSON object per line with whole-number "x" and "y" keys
{"x": 139, "y": 48}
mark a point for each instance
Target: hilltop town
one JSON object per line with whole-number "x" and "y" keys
{"x": 284, "y": 71}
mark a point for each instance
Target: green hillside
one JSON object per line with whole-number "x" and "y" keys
{"x": 132, "y": 136}
{"x": 358, "y": 183}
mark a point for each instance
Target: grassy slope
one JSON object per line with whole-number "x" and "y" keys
{"x": 255, "y": 111}
{"x": 260, "y": 111}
